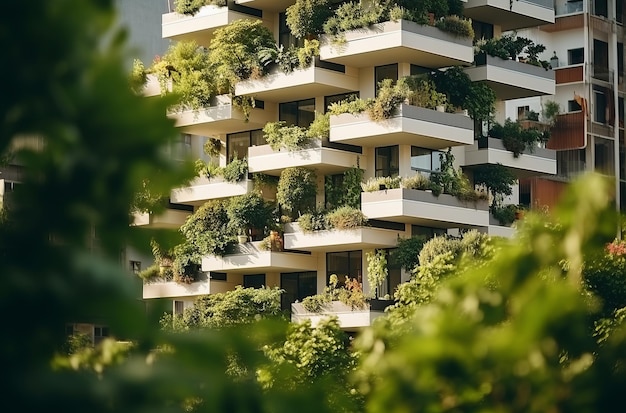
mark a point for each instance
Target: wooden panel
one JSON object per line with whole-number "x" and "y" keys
{"x": 568, "y": 75}
{"x": 544, "y": 193}
{"x": 565, "y": 23}
{"x": 568, "y": 133}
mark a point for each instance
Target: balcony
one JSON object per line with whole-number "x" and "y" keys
{"x": 412, "y": 125}
{"x": 511, "y": 79}
{"x": 491, "y": 151}
{"x": 201, "y": 26}
{"x": 339, "y": 240}
{"x": 423, "y": 208}
{"x": 249, "y": 258}
{"x": 511, "y": 15}
{"x": 171, "y": 289}
{"x": 399, "y": 41}
{"x": 170, "y": 218}
{"x": 152, "y": 86}
{"x": 564, "y": 7}
{"x": 201, "y": 189}
{"x": 349, "y": 319}
{"x": 318, "y": 156}
{"x": 301, "y": 84}
{"x": 603, "y": 74}
{"x": 222, "y": 117}
{"x": 568, "y": 132}
{"x": 496, "y": 230}
{"x": 569, "y": 74}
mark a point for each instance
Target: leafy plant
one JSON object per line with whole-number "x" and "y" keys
{"x": 456, "y": 25}
{"x": 247, "y": 212}
{"x": 407, "y": 252}
{"x": 346, "y": 217}
{"x": 381, "y": 182}
{"x": 532, "y": 115}
{"x": 138, "y": 76}
{"x": 390, "y": 95}
{"x": 423, "y": 93}
{"x": 497, "y": 179}
{"x": 308, "y": 52}
{"x": 296, "y": 190}
{"x": 207, "y": 229}
{"x": 417, "y": 181}
{"x": 187, "y": 68}
{"x": 236, "y": 170}
{"x": 517, "y": 139}
{"x": 505, "y": 214}
{"x": 212, "y": 147}
{"x": 314, "y": 221}
{"x": 280, "y": 136}
{"x": 207, "y": 169}
{"x": 316, "y": 303}
{"x": 307, "y": 17}
{"x": 376, "y": 269}
{"x": 353, "y": 106}
{"x": 192, "y": 7}
{"x": 551, "y": 110}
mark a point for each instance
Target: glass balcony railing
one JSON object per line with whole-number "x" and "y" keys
{"x": 568, "y": 7}
{"x": 548, "y": 4}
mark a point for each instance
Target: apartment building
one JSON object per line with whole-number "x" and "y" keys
{"x": 406, "y": 144}
{"x": 587, "y": 47}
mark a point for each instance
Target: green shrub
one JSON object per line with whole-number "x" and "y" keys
{"x": 505, "y": 214}
{"x": 138, "y": 76}
{"x": 280, "y": 136}
{"x": 439, "y": 245}
{"x": 191, "y": 7}
{"x": 517, "y": 139}
{"x": 406, "y": 253}
{"x": 497, "y": 179}
{"x": 313, "y": 222}
{"x": 424, "y": 93}
{"x": 308, "y": 53}
{"x": 150, "y": 274}
{"x": 296, "y": 190}
{"x": 455, "y": 25}
{"x": 207, "y": 230}
{"x": 236, "y": 170}
{"x": 320, "y": 127}
{"x": 353, "y": 106}
{"x": 346, "y": 218}
{"x": 307, "y": 17}
{"x": 248, "y": 211}
{"x": 316, "y": 303}
{"x": 417, "y": 181}
{"x": 375, "y": 183}
{"x": 390, "y": 96}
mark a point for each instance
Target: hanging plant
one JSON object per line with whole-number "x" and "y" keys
{"x": 376, "y": 270}
{"x": 213, "y": 147}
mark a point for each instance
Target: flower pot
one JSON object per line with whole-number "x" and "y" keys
{"x": 242, "y": 239}
{"x": 379, "y": 304}
{"x": 440, "y": 108}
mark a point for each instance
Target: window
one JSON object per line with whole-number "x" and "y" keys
{"x": 285, "y": 37}
{"x": 254, "y": 281}
{"x": 426, "y": 231}
{"x": 387, "y": 161}
{"x": 576, "y": 56}
{"x": 419, "y": 70}
{"x": 522, "y": 112}
{"x": 344, "y": 264}
{"x": 385, "y": 72}
{"x": 599, "y": 107}
{"x": 299, "y": 113}
{"x": 570, "y": 163}
{"x": 601, "y": 60}
{"x": 573, "y": 106}
{"x": 238, "y": 143}
{"x": 482, "y": 30}
{"x": 328, "y": 100}
{"x": 394, "y": 275}
{"x": 620, "y": 61}
{"x": 99, "y": 333}
{"x": 620, "y": 111}
{"x": 179, "y": 307}
{"x": 217, "y": 276}
{"x": 297, "y": 286}
{"x": 600, "y": 8}
{"x": 425, "y": 160}
{"x": 180, "y": 149}
{"x": 604, "y": 159}
{"x": 135, "y": 266}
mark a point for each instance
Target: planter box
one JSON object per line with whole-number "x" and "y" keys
{"x": 511, "y": 16}
{"x": 380, "y": 305}
{"x": 339, "y": 240}
{"x": 349, "y": 319}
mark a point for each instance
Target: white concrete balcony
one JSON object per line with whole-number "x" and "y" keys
{"x": 511, "y": 15}
{"x": 317, "y": 156}
{"x": 201, "y": 26}
{"x": 170, "y": 218}
{"x": 423, "y": 208}
{"x": 171, "y": 289}
{"x": 511, "y": 79}
{"x": 152, "y": 86}
{"x": 300, "y": 84}
{"x": 496, "y": 230}
{"x": 202, "y": 189}
{"x": 349, "y": 319}
{"x": 411, "y": 125}
{"x": 540, "y": 161}
{"x": 399, "y": 41}
{"x": 249, "y": 257}
{"x": 222, "y": 117}
{"x": 339, "y": 240}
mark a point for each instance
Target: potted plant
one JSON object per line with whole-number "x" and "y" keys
{"x": 377, "y": 273}
{"x": 247, "y": 213}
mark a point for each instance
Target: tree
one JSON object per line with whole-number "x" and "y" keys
{"x": 497, "y": 179}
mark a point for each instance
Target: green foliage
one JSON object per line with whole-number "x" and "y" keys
{"x": 138, "y": 76}
{"x": 191, "y": 7}
{"x": 477, "y": 97}
{"x": 348, "y": 192}
{"x": 296, "y": 190}
{"x": 439, "y": 245}
{"x": 417, "y": 181}
{"x": 350, "y": 16}
{"x": 280, "y": 136}
{"x": 186, "y": 67}
{"x": 376, "y": 269}
{"x": 207, "y": 229}
{"x": 234, "y": 52}
{"x": 517, "y": 139}
{"x": 316, "y": 303}
{"x": 320, "y": 127}
{"x": 497, "y": 179}
{"x": 307, "y": 17}
{"x": 604, "y": 275}
{"x": 310, "y": 222}
{"x": 248, "y": 211}
{"x": 551, "y": 110}
{"x": 236, "y": 170}
{"x": 77, "y": 342}
{"x": 456, "y": 25}
{"x": 390, "y": 95}
{"x": 308, "y": 52}
{"x": 212, "y": 147}
{"x": 481, "y": 101}
{"x": 406, "y": 253}
{"x": 353, "y": 106}
{"x": 207, "y": 169}
{"x": 236, "y": 307}
{"x": 151, "y": 274}
{"x": 505, "y": 214}
{"x": 424, "y": 93}
{"x": 346, "y": 217}
{"x": 378, "y": 182}
{"x": 511, "y": 46}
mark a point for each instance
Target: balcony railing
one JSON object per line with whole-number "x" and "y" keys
{"x": 602, "y": 73}
{"x": 548, "y": 4}
{"x": 569, "y": 74}
{"x": 568, "y": 7}
{"x": 569, "y": 132}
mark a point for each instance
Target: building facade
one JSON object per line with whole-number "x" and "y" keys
{"x": 413, "y": 140}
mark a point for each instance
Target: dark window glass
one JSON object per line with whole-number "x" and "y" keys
{"x": 604, "y": 156}
{"x": 284, "y": 34}
{"x": 620, "y": 59}
{"x": 328, "y": 100}
{"x": 254, "y": 280}
{"x": 482, "y": 30}
{"x": 601, "y": 60}
{"x": 601, "y": 8}
{"x": 426, "y": 160}
{"x": 600, "y": 107}
{"x": 385, "y": 72}
{"x": 419, "y": 70}
{"x": 218, "y": 276}
{"x": 576, "y": 56}
{"x": 426, "y": 231}
{"x": 297, "y": 286}
{"x": 298, "y": 113}
{"x": 238, "y": 143}
{"x": 394, "y": 276}
{"x": 573, "y": 106}
{"x": 387, "y": 161}
{"x": 344, "y": 264}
